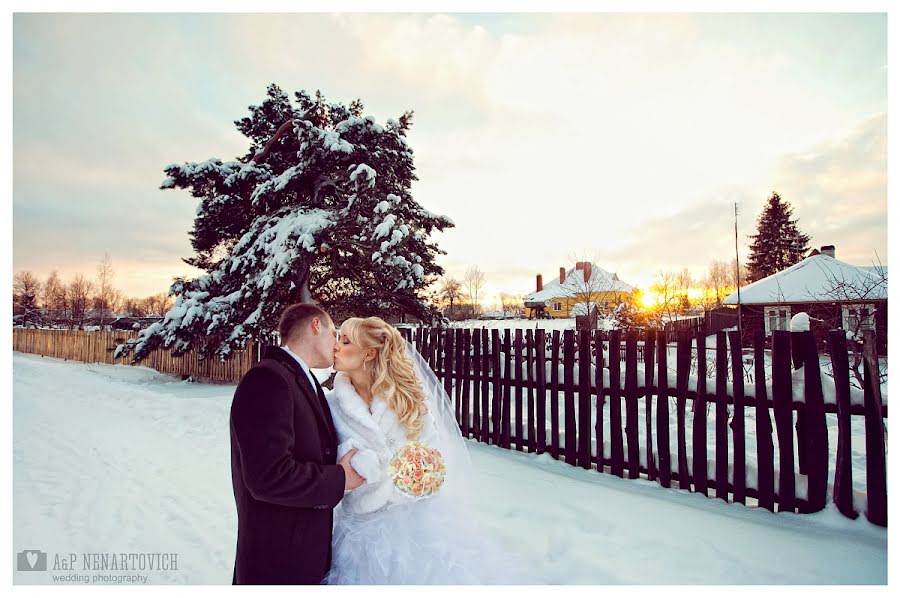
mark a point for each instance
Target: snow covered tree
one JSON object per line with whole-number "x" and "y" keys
{"x": 628, "y": 317}
{"x": 319, "y": 209}
{"x": 26, "y": 288}
{"x": 778, "y": 242}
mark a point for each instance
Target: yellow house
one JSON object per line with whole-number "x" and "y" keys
{"x": 576, "y": 292}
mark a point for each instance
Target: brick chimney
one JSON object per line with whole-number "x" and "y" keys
{"x": 579, "y": 265}
{"x": 827, "y": 250}
{"x": 562, "y": 275}
{"x": 587, "y": 271}
{"x": 540, "y": 283}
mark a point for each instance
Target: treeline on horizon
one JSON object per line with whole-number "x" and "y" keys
{"x": 80, "y": 302}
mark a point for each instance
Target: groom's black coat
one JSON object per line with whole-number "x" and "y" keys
{"x": 284, "y": 473}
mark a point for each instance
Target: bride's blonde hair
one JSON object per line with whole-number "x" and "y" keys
{"x": 392, "y": 373}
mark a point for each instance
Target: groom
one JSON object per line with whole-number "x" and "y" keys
{"x": 283, "y": 469}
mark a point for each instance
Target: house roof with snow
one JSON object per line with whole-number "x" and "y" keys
{"x": 818, "y": 278}
{"x": 574, "y": 284}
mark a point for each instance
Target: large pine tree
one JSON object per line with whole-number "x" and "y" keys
{"x": 319, "y": 209}
{"x": 778, "y": 242}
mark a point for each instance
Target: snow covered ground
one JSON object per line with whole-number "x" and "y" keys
{"x": 124, "y": 459}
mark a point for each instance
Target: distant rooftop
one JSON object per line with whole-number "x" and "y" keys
{"x": 600, "y": 281}
{"x": 819, "y": 277}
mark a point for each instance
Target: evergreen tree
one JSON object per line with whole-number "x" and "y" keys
{"x": 778, "y": 243}
{"x": 628, "y": 317}
{"x": 26, "y": 289}
{"x": 319, "y": 209}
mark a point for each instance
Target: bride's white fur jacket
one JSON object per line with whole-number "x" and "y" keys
{"x": 377, "y": 434}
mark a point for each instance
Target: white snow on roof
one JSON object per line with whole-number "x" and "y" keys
{"x": 601, "y": 282}
{"x": 816, "y": 278}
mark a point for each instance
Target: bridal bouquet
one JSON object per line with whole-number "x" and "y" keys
{"x": 417, "y": 470}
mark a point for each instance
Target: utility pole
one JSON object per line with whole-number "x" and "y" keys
{"x": 737, "y": 271}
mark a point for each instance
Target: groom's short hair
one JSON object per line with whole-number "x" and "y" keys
{"x": 298, "y": 315}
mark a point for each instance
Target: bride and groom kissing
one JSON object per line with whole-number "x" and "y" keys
{"x": 315, "y": 502}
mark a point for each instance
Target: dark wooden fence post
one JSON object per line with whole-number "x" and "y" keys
{"x": 554, "y": 395}
{"x": 476, "y": 384}
{"x": 843, "y": 468}
{"x": 434, "y": 348}
{"x": 601, "y": 398}
{"x": 541, "y": 381}
{"x": 530, "y": 389}
{"x": 816, "y": 426}
{"x": 466, "y": 379}
{"x": 426, "y": 347}
{"x": 782, "y": 399}
{"x": 505, "y": 431}
{"x": 797, "y": 359}
{"x": 517, "y": 368}
{"x": 721, "y": 417}
{"x": 649, "y": 355}
{"x": 682, "y": 369}
{"x": 497, "y": 390}
{"x": 569, "y": 383}
{"x": 459, "y": 341}
{"x": 662, "y": 413}
{"x": 485, "y": 387}
{"x": 584, "y": 399}
{"x": 449, "y": 362}
{"x": 739, "y": 484}
{"x": 699, "y": 469}
{"x": 765, "y": 449}
{"x": 876, "y": 471}
{"x": 616, "y": 453}
{"x": 420, "y": 341}
{"x": 631, "y": 406}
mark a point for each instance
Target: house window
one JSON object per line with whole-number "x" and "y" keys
{"x": 557, "y": 306}
{"x": 777, "y": 318}
{"x": 859, "y": 317}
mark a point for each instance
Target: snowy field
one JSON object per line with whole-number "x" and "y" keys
{"x": 124, "y": 459}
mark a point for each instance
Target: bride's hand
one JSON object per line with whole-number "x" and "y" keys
{"x": 351, "y": 478}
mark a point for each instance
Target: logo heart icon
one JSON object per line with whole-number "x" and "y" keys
{"x": 32, "y": 558}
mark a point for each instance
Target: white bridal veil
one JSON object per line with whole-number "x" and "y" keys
{"x": 446, "y": 437}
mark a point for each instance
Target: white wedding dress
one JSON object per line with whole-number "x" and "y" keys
{"x": 384, "y": 537}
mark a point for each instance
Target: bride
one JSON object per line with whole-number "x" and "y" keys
{"x": 384, "y": 396}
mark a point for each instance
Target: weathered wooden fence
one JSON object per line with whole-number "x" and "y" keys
{"x": 99, "y": 346}
{"x": 502, "y": 384}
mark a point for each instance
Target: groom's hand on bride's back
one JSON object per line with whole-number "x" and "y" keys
{"x": 351, "y": 478}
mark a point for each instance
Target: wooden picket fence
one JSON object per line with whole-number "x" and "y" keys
{"x": 99, "y": 346}
{"x": 499, "y": 386}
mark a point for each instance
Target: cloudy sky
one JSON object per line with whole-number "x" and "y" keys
{"x": 620, "y": 138}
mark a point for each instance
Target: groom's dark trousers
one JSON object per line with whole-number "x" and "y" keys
{"x": 284, "y": 473}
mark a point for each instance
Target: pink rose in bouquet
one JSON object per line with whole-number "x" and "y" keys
{"x": 417, "y": 470}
